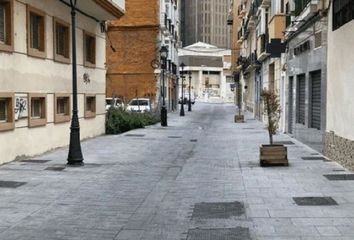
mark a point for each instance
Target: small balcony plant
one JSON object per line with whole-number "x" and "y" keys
{"x": 272, "y": 154}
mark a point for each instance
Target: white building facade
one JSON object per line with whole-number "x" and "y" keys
{"x": 36, "y": 72}
{"x": 169, "y": 37}
{"x": 210, "y": 68}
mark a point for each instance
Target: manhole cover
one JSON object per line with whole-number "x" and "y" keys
{"x": 340, "y": 177}
{"x": 238, "y": 233}
{"x": 285, "y": 142}
{"x": 314, "y": 158}
{"x": 11, "y": 184}
{"x": 55, "y": 168}
{"x": 35, "y": 161}
{"x": 314, "y": 201}
{"x": 218, "y": 210}
{"x": 247, "y": 128}
{"x": 134, "y": 135}
{"x": 174, "y": 137}
{"x": 194, "y": 140}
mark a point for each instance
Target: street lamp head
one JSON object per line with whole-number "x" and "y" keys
{"x": 163, "y": 52}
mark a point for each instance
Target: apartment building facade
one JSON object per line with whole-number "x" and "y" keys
{"x": 339, "y": 137}
{"x": 306, "y": 72}
{"x": 133, "y": 57}
{"x": 35, "y": 73}
{"x": 205, "y": 21}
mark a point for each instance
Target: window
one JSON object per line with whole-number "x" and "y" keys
{"x": 6, "y": 32}
{"x": 61, "y": 41}
{"x": 7, "y": 117}
{"x": 62, "y": 108}
{"x": 90, "y": 106}
{"x": 37, "y": 110}
{"x": 90, "y": 50}
{"x": 343, "y": 12}
{"x": 35, "y": 33}
{"x": 318, "y": 39}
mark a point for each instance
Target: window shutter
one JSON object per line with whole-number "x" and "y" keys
{"x": 2, "y": 23}
{"x": 35, "y": 22}
{"x": 3, "y": 110}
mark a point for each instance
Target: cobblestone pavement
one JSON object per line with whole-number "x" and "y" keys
{"x": 198, "y": 179}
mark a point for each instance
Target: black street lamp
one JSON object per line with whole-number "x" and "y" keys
{"x": 181, "y": 113}
{"x": 75, "y": 157}
{"x": 189, "y": 89}
{"x": 163, "y": 58}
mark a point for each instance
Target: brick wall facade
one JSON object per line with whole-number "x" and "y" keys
{"x": 135, "y": 40}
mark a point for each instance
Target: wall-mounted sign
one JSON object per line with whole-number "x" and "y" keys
{"x": 21, "y": 106}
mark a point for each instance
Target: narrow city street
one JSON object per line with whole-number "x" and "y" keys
{"x": 198, "y": 179}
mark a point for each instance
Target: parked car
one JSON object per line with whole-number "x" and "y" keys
{"x": 114, "y": 102}
{"x": 139, "y": 105}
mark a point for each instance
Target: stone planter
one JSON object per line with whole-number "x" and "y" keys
{"x": 273, "y": 155}
{"x": 239, "y": 118}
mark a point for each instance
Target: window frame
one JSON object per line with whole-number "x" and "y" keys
{"x": 33, "y": 51}
{"x": 10, "y": 121}
{"x": 58, "y": 57}
{"x": 66, "y": 117}
{"x": 90, "y": 114}
{"x": 89, "y": 63}
{"x": 8, "y": 45}
{"x": 37, "y": 122}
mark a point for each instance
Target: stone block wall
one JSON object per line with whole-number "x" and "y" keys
{"x": 339, "y": 149}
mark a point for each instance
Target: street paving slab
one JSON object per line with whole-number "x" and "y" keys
{"x": 197, "y": 179}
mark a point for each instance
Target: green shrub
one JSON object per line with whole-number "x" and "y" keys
{"x": 119, "y": 121}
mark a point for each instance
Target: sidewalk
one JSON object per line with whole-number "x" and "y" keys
{"x": 198, "y": 179}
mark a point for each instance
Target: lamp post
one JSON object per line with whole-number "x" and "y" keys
{"x": 163, "y": 57}
{"x": 181, "y": 113}
{"x": 75, "y": 157}
{"x": 189, "y": 90}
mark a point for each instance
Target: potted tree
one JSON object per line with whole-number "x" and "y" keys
{"x": 272, "y": 154}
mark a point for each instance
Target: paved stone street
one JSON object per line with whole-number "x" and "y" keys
{"x": 198, "y": 179}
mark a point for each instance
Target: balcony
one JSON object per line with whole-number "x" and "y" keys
{"x": 252, "y": 14}
{"x": 305, "y": 9}
{"x": 163, "y": 21}
{"x": 251, "y": 63}
{"x": 276, "y": 27}
{"x": 241, "y": 11}
{"x": 265, "y": 3}
{"x": 101, "y": 9}
{"x": 262, "y": 42}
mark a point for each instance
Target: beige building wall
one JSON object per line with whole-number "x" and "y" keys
{"x": 339, "y": 139}
{"x": 22, "y": 74}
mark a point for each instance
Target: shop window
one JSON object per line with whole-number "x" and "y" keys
{"x": 7, "y": 118}
{"x": 62, "y": 108}
{"x": 90, "y": 106}
{"x": 61, "y": 41}
{"x": 6, "y": 26}
{"x": 37, "y": 110}
{"x": 89, "y": 50}
{"x": 36, "y": 33}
